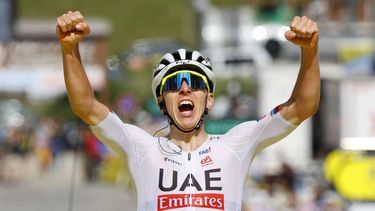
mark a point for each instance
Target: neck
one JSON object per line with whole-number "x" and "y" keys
{"x": 188, "y": 141}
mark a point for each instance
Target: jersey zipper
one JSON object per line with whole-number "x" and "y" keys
{"x": 190, "y": 171}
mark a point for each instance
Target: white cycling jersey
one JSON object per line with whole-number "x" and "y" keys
{"x": 209, "y": 178}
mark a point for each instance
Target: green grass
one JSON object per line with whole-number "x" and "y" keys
{"x": 130, "y": 19}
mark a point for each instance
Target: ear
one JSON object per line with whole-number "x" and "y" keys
{"x": 161, "y": 103}
{"x": 210, "y": 100}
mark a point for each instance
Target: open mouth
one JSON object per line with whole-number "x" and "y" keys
{"x": 185, "y": 106}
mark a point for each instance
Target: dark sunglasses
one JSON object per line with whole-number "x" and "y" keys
{"x": 173, "y": 82}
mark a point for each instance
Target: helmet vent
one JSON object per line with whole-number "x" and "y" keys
{"x": 189, "y": 55}
{"x": 176, "y": 56}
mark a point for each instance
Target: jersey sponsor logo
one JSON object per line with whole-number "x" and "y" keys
{"x": 211, "y": 176}
{"x": 207, "y": 161}
{"x": 192, "y": 189}
{"x": 205, "y": 151}
{"x": 166, "y": 159}
{"x": 214, "y": 138}
{"x": 202, "y": 200}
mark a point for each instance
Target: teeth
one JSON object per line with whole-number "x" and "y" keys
{"x": 186, "y": 102}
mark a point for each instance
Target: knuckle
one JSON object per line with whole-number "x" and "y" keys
{"x": 78, "y": 16}
{"x": 298, "y": 28}
{"x": 62, "y": 24}
{"x": 77, "y": 13}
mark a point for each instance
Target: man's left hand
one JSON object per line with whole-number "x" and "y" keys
{"x": 303, "y": 32}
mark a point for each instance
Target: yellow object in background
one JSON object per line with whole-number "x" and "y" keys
{"x": 114, "y": 170}
{"x": 352, "y": 173}
{"x": 354, "y": 49}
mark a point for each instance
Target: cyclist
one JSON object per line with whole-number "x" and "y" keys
{"x": 189, "y": 168}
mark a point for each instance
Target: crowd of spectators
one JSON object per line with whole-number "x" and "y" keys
{"x": 29, "y": 151}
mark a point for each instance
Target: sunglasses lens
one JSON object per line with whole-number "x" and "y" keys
{"x": 197, "y": 82}
{"x": 170, "y": 84}
{"x": 174, "y": 82}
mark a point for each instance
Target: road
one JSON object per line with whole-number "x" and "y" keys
{"x": 87, "y": 197}
{"x": 53, "y": 192}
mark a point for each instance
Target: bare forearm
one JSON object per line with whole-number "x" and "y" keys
{"x": 79, "y": 90}
{"x": 306, "y": 93}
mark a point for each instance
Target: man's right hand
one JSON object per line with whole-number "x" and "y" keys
{"x": 71, "y": 28}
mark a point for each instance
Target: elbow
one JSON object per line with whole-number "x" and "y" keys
{"x": 315, "y": 109}
{"x": 92, "y": 112}
{"x": 83, "y": 111}
{"x": 309, "y": 110}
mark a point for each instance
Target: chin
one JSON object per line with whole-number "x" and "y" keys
{"x": 187, "y": 124}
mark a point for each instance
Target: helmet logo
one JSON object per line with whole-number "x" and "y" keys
{"x": 183, "y": 62}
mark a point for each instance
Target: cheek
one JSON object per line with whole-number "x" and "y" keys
{"x": 204, "y": 101}
{"x": 168, "y": 99}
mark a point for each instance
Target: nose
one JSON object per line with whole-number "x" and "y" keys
{"x": 184, "y": 89}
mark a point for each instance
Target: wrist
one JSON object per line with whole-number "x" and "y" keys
{"x": 309, "y": 50}
{"x": 69, "y": 47}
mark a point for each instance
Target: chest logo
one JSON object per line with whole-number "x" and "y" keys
{"x": 206, "y": 161}
{"x": 205, "y": 151}
{"x": 177, "y": 193}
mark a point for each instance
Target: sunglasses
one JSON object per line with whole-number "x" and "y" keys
{"x": 173, "y": 82}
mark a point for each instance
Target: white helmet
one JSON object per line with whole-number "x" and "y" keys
{"x": 182, "y": 59}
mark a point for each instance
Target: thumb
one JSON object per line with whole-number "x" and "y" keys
{"x": 290, "y": 35}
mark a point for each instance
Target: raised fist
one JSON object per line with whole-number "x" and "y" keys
{"x": 303, "y": 32}
{"x": 71, "y": 28}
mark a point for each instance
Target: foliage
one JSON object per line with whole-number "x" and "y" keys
{"x": 58, "y": 108}
{"x": 130, "y": 20}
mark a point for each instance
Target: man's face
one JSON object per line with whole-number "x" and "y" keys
{"x": 186, "y": 106}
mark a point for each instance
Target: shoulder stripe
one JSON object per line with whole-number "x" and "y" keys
{"x": 275, "y": 110}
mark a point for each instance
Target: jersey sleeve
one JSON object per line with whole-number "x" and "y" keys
{"x": 125, "y": 139}
{"x": 271, "y": 129}
{"x": 260, "y": 134}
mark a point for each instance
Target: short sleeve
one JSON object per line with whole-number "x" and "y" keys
{"x": 120, "y": 137}
{"x": 270, "y": 129}
{"x": 258, "y": 135}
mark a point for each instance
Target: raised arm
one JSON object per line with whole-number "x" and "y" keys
{"x": 71, "y": 29}
{"x": 305, "y": 97}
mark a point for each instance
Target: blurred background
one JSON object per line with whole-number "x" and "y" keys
{"x": 49, "y": 160}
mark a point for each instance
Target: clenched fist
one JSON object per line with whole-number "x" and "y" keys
{"x": 303, "y": 32}
{"x": 71, "y": 28}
